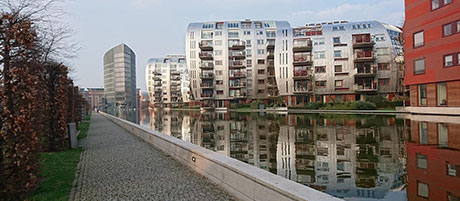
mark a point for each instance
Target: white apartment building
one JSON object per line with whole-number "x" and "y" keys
{"x": 167, "y": 81}
{"x": 339, "y": 61}
{"x": 232, "y": 61}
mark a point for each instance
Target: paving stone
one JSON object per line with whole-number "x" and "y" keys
{"x": 119, "y": 166}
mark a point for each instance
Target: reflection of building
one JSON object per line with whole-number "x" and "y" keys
{"x": 341, "y": 61}
{"x": 433, "y": 161}
{"x": 167, "y": 80}
{"x": 432, "y": 54}
{"x": 286, "y": 153}
{"x": 120, "y": 82}
{"x": 96, "y": 96}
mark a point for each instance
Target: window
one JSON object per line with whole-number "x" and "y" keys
{"x": 447, "y": 30}
{"x": 320, "y": 55}
{"x": 382, "y": 51}
{"x": 338, "y": 68}
{"x": 337, "y": 53}
{"x": 218, "y": 33}
{"x": 452, "y": 197}
{"x": 418, "y": 39}
{"x": 442, "y": 94}
{"x": 452, "y": 169}
{"x": 448, "y": 60}
{"x": 247, "y": 33}
{"x": 261, "y": 71}
{"x": 261, "y": 61}
{"x": 248, "y": 53}
{"x": 458, "y": 58}
{"x": 260, "y": 91}
{"x": 434, "y": 4}
{"x": 384, "y": 81}
{"x": 260, "y": 42}
{"x": 259, "y": 33}
{"x": 384, "y": 66}
{"x": 422, "y": 161}
{"x": 249, "y": 63}
{"x": 218, "y": 52}
{"x": 458, "y": 26}
{"x": 233, "y": 34}
{"x": 338, "y": 83}
{"x": 443, "y": 140}
{"x": 219, "y": 82}
{"x": 336, "y": 40}
{"x": 422, "y": 189}
{"x": 320, "y": 69}
{"x": 319, "y": 41}
{"x": 260, "y": 51}
{"x": 419, "y": 66}
{"x": 218, "y": 43}
{"x": 192, "y": 45}
{"x": 260, "y": 81}
{"x": 218, "y": 62}
{"x": 192, "y": 54}
{"x": 219, "y": 92}
{"x": 320, "y": 84}
{"x": 422, "y": 95}
{"x": 233, "y": 25}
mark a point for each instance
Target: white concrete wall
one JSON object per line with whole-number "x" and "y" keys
{"x": 239, "y": 179}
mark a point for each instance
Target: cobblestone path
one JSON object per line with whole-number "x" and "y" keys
{"x": 119, "y": 166}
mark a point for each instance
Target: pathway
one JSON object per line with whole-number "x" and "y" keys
{"x": 119, "y": 166}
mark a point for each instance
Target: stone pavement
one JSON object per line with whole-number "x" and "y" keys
{"x": 119, "y": 166}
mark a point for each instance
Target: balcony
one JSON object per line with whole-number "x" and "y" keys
{"x": 364, "y": 56}
{"x": 207, "y": 76}
{"x": 207, "y": 66}
{"x": 207, "y": 95}
{"x": 362, "y": 41}
{"x": 236, "y": 45}
{"x": 303, "y": 59}
{"x": 302, "y": 74}
{"x": 270, "y": 54}
{"x": 240, "y": 95}
{"x": 271, "y": 63}
{"x": 366, "y": 87}
{"x": 303, "y": 87}
{"x": 175, "y": 88}
{"x": 206, "y": 56}
{"x": 237, "y": 85}
{"x": 302, "y": 45}
{"x": 205, "y": 85}
{"x": 157, "y": 83}
{"x": 271, "y": 73}
{"x": 236, "y": 64}
{"x": 174, "y": 72}
{"x": 237, "y": 75}
{"x": 175, "y": 77}
{"x": 156, "y": 78}
{"x": 366, "y": 71}
{"x": 237, "y": 55}
{"x": 270, "y": 44}
{"x": 156, "y": 72}
{"x": 206, "y": 45}
{"x": 175, "y": 83}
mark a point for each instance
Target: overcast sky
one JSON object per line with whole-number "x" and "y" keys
{"x": 155, "y": 28}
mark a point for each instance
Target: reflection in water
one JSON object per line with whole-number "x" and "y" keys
{"x": 349, "y": 156}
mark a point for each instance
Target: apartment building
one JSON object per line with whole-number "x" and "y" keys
{"x": 232, "y": 61}
{"x": 96, "y": 98}
{"x": 120, "y": 81}
{"x": 432, "y": 54}
{"x": 168, "y": 81}
{"x": 339, "y": 61}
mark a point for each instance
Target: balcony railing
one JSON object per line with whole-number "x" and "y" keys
{"x": 302, "y": 45}
{"x": 207, "y": 75}
{"x": 206, "y": 45}
{"x": 237, "y": 85}
{"x": 207, "y": 65}
{"x": 270, "y": 54}
{"x": 206, "y": 55}
{"x": 236, "y": 44}
{"x": 175, "y": 88}
{"x": 271, "y": 62}
{"x": 366, "y": 70}
{"x": 270, "y": 44}
{"x": 237, "y": 54}
{"x": 157, "y": 84}
{"x": 303, "y": 59}
{"x": 175, "y": 83}
{"x": 237, "y": 74}
{"x": 365, "y": 87}
{"x": 236, "y": 64}
{"x": 301, "y": 74}
{"x": 175, "y": 77}
{"x": 175, "y": 72}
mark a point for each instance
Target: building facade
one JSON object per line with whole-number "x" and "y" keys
{"x": 432, "y": 54}
{"x": 168, "y": 80}
{"x": 339, "y": 61}
{"x": 232, "y": 61}
{"x": 96, "y": 98}
{"x": 120, "y": 81}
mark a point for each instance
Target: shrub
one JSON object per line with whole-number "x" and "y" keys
{"x": 379, "y": 101}
{"x": 255, "y": 104}
{"x": 314, "y": 105}
{"x": 360, "y": 105}
{"x": 196, "y": 107}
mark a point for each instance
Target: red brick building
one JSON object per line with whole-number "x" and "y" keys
{"x": 432, "y": 55}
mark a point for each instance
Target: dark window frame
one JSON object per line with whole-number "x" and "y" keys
{"x": 413, "y": 39}
{"x": 441, "y": 4}
{"x": 424, "y": 67}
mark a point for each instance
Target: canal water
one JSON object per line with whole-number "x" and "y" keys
{"x": 355, "y": 157}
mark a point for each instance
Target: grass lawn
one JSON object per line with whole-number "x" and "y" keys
{"x": 57, "y": 174}
{"x": 83, "y": 128}
{"x": 244, "y": 109}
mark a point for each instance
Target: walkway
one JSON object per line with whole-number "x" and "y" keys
{"x": 119, "y": 166}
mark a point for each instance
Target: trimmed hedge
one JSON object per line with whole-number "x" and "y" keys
{"x": 255, "y": 104}
{"x": 358, "y": 105}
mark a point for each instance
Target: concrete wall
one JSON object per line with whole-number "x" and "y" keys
{"x": 239, "y": 179}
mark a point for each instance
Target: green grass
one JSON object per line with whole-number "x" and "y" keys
{"x": 88, "y": 117}
{"x": 244, "y": 109}
{"x": 83, "y": 128}
{"x": 57, "y": 174}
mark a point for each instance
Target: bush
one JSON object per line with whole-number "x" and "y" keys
{"x": 314, "y": 105}
{"x": 379, "y": 101}
{"x": 255, "y": 104}
{"x": 360, "y": 105}
{"x": 196, "y": 107}
{"x": 238, "y": 105}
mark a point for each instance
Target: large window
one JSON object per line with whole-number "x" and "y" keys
{"x": 423, "y": 127}
{"x": 419, "y": 66}
{"x": 337, "y": 53}
{"x": 448, "y": 60}
{"x": 435, "y": 4}
{"x": 338, "y": 68}
{"x": 418, "y": 39}
{"x": 443, "y": 131}
{"x": 422, "y": 161}
{"x": 452, "y": 169}
{"x": 442, "y": 94}
{"x": 422, "y": 189}
{"x": 339, "y": 83}
{"x": 320, "y": 69}
{"x": 447, "y": 30}
{"x": 422, "y": 95}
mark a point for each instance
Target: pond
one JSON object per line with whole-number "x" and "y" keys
{"x": 355, "y": 157}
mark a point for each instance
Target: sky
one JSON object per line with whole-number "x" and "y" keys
{"x": 156, "y": 28}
